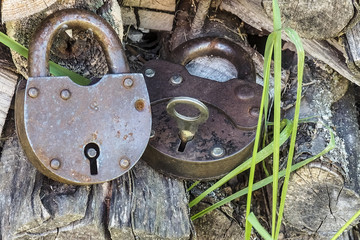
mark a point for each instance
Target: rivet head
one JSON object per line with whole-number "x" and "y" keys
{"x": 33, "y": 92}
{"x": 124, "y": 163}
{"x": 150, "y": 72}
{"x": 55, "y": 164}
{"x": 128, "y": 82}
{"x": 65, "y": 94}
{"x": 244, "y": 92}
{"x": 254, "y": 111}
{"x": 176, "y": 79}
{"x": 140, "y": 105}
{"x": 217, "y": 152}
{"x": 152, "y": 133}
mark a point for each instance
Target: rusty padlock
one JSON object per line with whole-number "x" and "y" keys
{"x": 221, "y": 134}
{"x": 82, "y": 134}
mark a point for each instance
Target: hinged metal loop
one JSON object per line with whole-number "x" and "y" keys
{"x": 219, "y": 47}
{"x": 42, "y": 40}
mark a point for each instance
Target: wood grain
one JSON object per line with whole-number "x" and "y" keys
{"x": 18, "y": 9}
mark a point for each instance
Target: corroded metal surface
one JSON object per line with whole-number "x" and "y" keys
{"x": 42, "y": 39}
{"x": 82, "y": 134}
{"x": 219, "y": 47}
{"x": 225, "y": 139}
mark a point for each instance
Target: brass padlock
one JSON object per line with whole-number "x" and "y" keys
{"x": 218, "y": 134}
{"x": 82, "y": 134}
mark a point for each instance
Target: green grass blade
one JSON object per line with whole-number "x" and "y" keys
{"x": 264, "y": 153}
{"x": 301, "y": 58}
{"x": 193, "y": 185}
{"x": 277, "y": 110}
{"x": 267, "y": 180}
{"x": 55, "y": 69}
{"x": 264, "y": 102}
{"x": 258, "y": 227}
{"x": 347, "y": 224}
{"x": 277, "y": 119}
{"x": 276, "y": 15}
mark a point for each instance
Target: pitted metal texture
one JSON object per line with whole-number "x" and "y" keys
{"x": 226, "y": 138}
{"x": 82, "y": 134}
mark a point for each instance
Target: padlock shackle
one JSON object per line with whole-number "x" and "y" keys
{"x": 218, "y": 47}
{"x": 106, "y": 36}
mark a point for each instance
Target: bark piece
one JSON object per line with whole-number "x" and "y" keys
{"x": 155, "y": 20}
{"x": 166, "y": 5}
{"x": 146, "y": 204}
{"x": 353, "y": 38}
{"x": 321, "y": 20}
{"x": 18, "y": 9}
{"x": 42, "y": 207}
{"x": 20, "y": 203}
{"x": 252, "y": 12}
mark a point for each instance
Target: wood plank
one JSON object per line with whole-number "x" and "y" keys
{"x": 128, "y": 16}
{"x": 8, "y": 80}
{"x": 146, "y": 205}
{"x": 156, "y": 20}
{"x": 323, "y": 20}
{"x": 353, "y": 40}
{"x": 165, "y": 5}
{"x": 251, "y": 12}
{"x": 17, "y": 9}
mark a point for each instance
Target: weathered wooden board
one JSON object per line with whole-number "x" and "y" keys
{"x": 17, "y": 9}
{"x": 156, "y": 20}
{"x": 321, "y": 20}
{"x": 8, "y": 80}
{"x": 147, "y": 19}
{"x": 165, "y": 5}
{"x": 143, "y": 204}
{"x": 252, "y": 12}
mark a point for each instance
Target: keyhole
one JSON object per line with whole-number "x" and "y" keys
{"x": 92, "y": 152}
{"x": 182, "y": 146}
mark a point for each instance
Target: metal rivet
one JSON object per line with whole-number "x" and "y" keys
{"x": 244, "y": 92}
{"x": 65, "y": 94}
{"x": 33, "y": 92}
{"x": 140, "y": 105}
{"x": 128, "y": 82}
{"x": 254, "y": 111}
{"x": 55, "y": 164}
{"x": 124, "y": 163}
{"x": 149, "y": 72}
{"x": 91, "y": 152}
{"x": 152, "y": 133}
{"x": 217, "y": 152}
{"x": 176, "y": 79}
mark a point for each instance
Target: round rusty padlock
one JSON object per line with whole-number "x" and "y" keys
{"x": 201, "y": 128}
{"x": 82, "y": 134}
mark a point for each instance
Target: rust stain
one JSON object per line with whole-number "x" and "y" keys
{"x": 140, "y": 105}
{"x": 118, "y": 134}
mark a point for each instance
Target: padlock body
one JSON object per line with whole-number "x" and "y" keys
{"x": 231, "y": 127}
{"x": 110, "y": 114}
